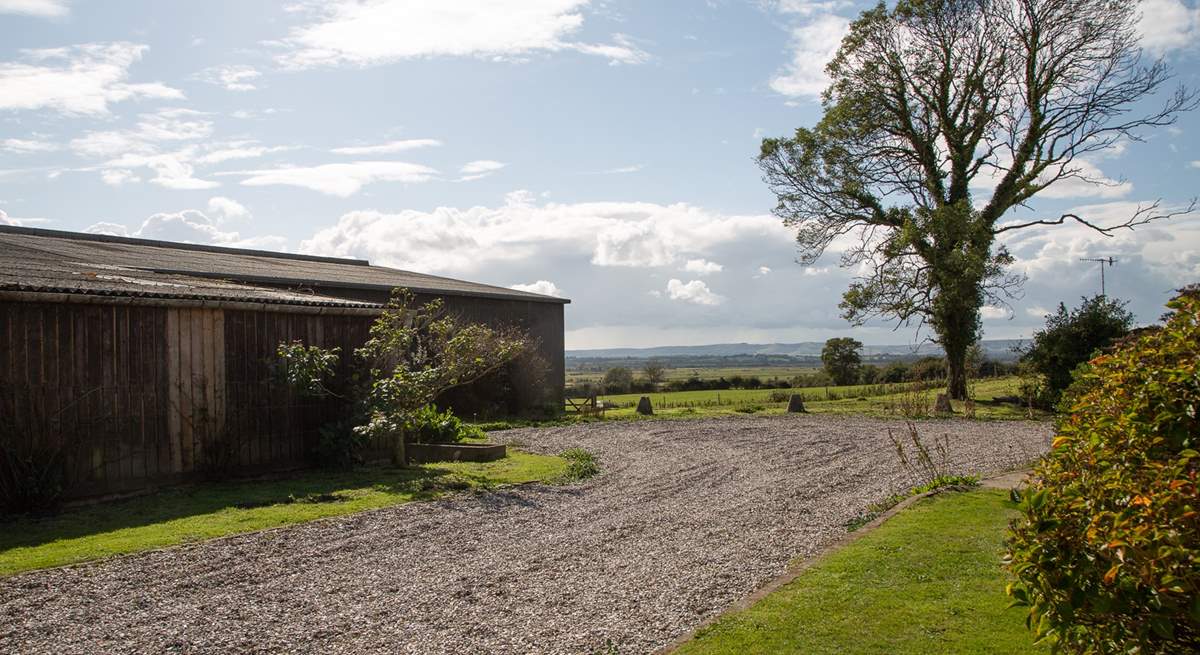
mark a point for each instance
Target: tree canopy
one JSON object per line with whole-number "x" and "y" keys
{"x": 943, "y": 115}
{"x": 842, "y": 358}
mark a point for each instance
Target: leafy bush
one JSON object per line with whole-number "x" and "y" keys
{"x": 428, "y": 425}
{"x": 1107, "y": 554}
{"x": 580, "y": 464}
{"x": 340, "y": 446}
{"x": 618, "y": 379}
{"x": 1071, "y": 338}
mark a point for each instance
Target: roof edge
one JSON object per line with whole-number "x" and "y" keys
{"x": 175, "y": 245}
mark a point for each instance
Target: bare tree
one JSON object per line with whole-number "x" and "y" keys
{"x": 936, "y": 101}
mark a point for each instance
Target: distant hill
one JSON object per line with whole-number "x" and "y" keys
{"x": 999, "y": 349}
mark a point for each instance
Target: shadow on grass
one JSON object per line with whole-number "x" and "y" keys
{"x": 212, "y": 497}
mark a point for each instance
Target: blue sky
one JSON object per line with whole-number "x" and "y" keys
{"x": 599, "y": 150}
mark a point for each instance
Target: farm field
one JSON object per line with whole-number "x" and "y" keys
{"x": 762, "y": 372}
{"x": 854, "y": 399}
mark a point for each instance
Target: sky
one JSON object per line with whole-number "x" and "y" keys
{"x": 601, "y": 151}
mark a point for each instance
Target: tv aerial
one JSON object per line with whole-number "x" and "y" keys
{"x": 1103, "y": 262}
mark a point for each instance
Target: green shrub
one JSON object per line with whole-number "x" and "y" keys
{"x": 1072, "y": 338}
{"x": 1107, "y": 553}
{"x": 428, "y": 425}
{"x": 580, "y": 464}
{"x": 340, "y": 446}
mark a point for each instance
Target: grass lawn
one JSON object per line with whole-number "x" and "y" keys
{"x": 845, "y": 400}
{"x": 762, "y": 372}
{"x": 204, "y": 511}
{"x": 929, "y": 580}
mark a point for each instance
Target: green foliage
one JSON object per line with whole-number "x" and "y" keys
{"x": 306, "y": 368}
{"x": 618, "y": 379}
{"x": 1071, "y": 338}
{"x": 428, "y": 425}
{"x": 1107, "y": 554}
{"x": 415, "y": 353}
{"x": 581, "y": 464}
{"x": 655, "y": 372}
{"x": 340, "y": 446}
{"x": 842, "y": 357}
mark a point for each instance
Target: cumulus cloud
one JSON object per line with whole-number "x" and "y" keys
{"x": 606, "y": 234}
{"x": 232, "y": 77}
{"x": 813, "y": 44}
{"x": 187, "y": 226}
{"x": 145, "y": 137}
{"x": 237, "y": 150}
{"x": 39, "y": 8}
{"x": 227, "y": 208}
{"x": 390, "y": 146}
{"x": 1169, "y": 25}
{"x": 77, "y": 80}
{"x": 347, "y": 32}
{"x": 544, "y": 287}
{"x": 701, "y": 266}
{"x": 992, "y": 313}
{"x": 341, "y": 180}
{"x": 695, "y": 291}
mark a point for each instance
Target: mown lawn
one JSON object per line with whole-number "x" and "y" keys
{"x": 927, "y": 581}
{"x": 840, "y": 400}
{"x": 204, "y": 511}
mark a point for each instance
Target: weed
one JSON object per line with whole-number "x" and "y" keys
{"x": 581, "y": 464}
{"x": 750, "y": 409}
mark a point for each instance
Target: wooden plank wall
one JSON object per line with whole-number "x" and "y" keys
{"x": 150, "y": 395}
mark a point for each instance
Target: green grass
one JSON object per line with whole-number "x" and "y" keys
{"x": 927, "y": 581}
{"x": 204, "y": 511}
{"x": 846, "y": 400}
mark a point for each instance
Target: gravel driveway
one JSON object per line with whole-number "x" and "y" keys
{"x": 686, "y": 518}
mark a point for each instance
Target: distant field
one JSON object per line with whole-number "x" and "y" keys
{"x": 858, "y": 399}
{"x": 762, "y": 372}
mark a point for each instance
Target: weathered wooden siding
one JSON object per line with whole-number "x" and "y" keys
{"x": 143, "y": 396}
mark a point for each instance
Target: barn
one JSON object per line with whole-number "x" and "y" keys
{"x": 146, "y": 363}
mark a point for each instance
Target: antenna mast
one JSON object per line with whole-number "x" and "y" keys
{"x": 1102, "y": 261}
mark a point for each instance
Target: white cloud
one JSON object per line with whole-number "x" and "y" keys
{"x": 813, "y": 45}
{"x": 764, "y": 271}
{"x": 144, "y": 138}
{"x": 75, "y": 80}
{"x": 991, "y": 313}
{"x": 481, "y": 166}
{"x": 5, "y": 219}
{"x": 26, "y": 146}
{"x": 622, "y": 170}
{"x": 1092, "y": 183}
{"x": 701, "y": 267}
{"x": 346, "y": 32}
{"x": 1037, "y": 311}
{"x": 187, "y": 226}
{"x": 1196, "y": 164}
{"x": 391, "y": 146}
{"x": 814, "y": 271}
{"x": 237, "y": 150}
{"x": 118, "y": 176}
{"x": 695, "y": 291}
{"x": 232, "y": 77}
{"x": 171, "y": 170}
{"x": 478, "y": 169}
{"x": 810, "y": 7}
{"x": 1168, "y": 25}
{"x": 40, "y": 8}
{"x": 606, "y": 234}
{"x": 544, "y": 287}
{"x": 223, "y": 207}
{"x": 342, "y": 180}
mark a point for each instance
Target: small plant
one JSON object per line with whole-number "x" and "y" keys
{"x": 340, "y": 446}
{"x": 581, "y": 464}
{"x": 428, "y": 425}
{"x": 750, "y": 409}
{"x": 927, "y": 465}
{"x": 913, "y": 402}
{"x": 306, "y": 368}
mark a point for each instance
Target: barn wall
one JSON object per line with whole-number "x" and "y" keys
{"x": 141, "y": 396}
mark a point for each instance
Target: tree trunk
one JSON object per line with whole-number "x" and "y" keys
{"x": 957, "y": 331}
{"x": 399, "y": 449}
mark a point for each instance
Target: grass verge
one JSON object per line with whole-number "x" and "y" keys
{"x": 194, "y": 513}
{"x": 929, "y": 580}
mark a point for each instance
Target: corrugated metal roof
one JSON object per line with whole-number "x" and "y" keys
{"x": 34, "y": 259}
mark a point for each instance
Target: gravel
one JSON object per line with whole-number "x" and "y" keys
{"x": 685, "y": 518}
